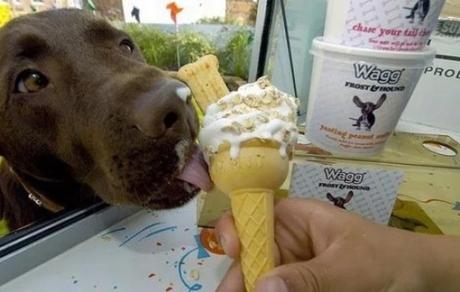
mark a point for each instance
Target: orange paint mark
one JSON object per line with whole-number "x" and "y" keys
{"x": 210, "y": 242}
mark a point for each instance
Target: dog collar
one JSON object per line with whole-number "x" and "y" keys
{"x": 36, "y": 197}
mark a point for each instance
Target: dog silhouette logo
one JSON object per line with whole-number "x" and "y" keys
{"x": 367, "y": 118}
{"x": 340, "y": 201}
{"x": 419, "y": 11}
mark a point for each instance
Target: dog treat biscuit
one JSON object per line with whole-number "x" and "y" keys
{"x": 204, "y": 80}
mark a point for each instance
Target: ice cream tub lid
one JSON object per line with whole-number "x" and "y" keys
{"x": 347, "y": 54}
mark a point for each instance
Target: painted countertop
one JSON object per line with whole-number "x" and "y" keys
{"x": 148, "y": 251}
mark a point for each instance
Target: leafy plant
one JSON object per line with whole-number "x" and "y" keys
{"x": 235, "y": 56}
{"x": 193, "y": 45}
{"x": 156, "y": 46}
{"x": 215, "y": 20}
{"x": 160, "y": 48}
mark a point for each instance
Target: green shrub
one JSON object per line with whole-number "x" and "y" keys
{"x": 234, "y": 58}
{"x": 193, "y": 45}
{"x": 159, "y": 48}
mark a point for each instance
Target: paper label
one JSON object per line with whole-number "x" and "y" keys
{"x": 403, "y": 25}
{"x": 357, "y": 110}
{"x": 368, "y": 192}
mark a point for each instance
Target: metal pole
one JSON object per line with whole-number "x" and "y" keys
{"x": 177, "y": 45}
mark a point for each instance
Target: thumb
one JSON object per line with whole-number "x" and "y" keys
{"x": 298, "y": 277}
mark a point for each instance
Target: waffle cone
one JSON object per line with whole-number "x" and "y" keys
{"x": 253, "y": 214}
{"x": 250, "y": 181}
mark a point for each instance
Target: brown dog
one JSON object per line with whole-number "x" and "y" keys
{"x": 83, "y": 116}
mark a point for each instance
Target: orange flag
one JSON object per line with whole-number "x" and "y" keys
{"x": 174, "y": 10}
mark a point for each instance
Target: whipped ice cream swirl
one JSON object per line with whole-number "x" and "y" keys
{"x": 256, "y": 111}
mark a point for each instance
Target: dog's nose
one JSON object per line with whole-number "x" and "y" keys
{"x": 162, "y": 109}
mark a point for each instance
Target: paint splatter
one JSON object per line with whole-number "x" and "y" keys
{"x": 139, "y": 232}
{"x": 186, "y": 229}
{"x": 172, "y": 228}
{"x": 194, "y": 275}
{"x": 183, "y": 248}
{"x": 115, "y": 287}
{"x": 169, "y": 289}
{"x": 151, "y": 275}
{"x": 75, "y": 281}
{"x": 159, "y": 243}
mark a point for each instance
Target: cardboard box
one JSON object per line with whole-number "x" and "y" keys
{"x": 427, "y": 199}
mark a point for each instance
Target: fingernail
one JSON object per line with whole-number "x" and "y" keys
{"x": 221, "y": 239}
{"x": 271, "y": 284}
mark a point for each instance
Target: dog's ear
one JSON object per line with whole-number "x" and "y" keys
{"x": 380, "y": 101}
{"x": 330, "y": 197}
{"x": 358, "y": 102}
{"x": 349, "y": 196}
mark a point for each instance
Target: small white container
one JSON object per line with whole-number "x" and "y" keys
{"x": 396, "y": 25}
{"x": 358, "y": 95}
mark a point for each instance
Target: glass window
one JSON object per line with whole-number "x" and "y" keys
{"x": 169, "y": 34}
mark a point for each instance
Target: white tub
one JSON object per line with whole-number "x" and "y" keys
{"x": 358, "y": 95}
{"x": 397, "y": 25}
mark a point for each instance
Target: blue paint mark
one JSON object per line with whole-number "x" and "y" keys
{"x": 139, "y": 232}
{"x": 75, "y": 281}
{"x": 115, "y": 287}
{"x": 194, "y": 287}
{"x": 457, "y": 206}
{"x": 159, "y": 231}
{"x": 115, "y": 230}
{"x": 202, "y": 252}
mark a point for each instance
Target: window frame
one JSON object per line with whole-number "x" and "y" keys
{"x": 51, "y": 238}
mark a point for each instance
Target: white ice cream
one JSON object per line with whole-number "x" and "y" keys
{"x": 256, "y": 111}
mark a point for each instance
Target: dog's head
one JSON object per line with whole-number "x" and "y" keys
{"x": 78, "y": 102}
{"x": 369, "y": 107}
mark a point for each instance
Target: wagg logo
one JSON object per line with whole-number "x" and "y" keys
{"x": 346, "y": 177}
{"x": 371, "y": 72}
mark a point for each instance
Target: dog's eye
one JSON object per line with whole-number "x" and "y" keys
{"x": 30, "y": 81}
{"x": 127, "y": 46}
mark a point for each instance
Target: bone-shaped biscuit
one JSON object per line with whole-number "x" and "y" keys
{"x": 204, "y": 80}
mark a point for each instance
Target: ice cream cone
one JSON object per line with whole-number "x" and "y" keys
{"x": 250, "y": 181}
{"x": 247, "y": 138}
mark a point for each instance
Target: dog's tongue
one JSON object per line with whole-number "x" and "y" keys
{"x": 196, "y": 172}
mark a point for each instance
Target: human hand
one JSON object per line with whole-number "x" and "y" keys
{"x": 320, "y": 248}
